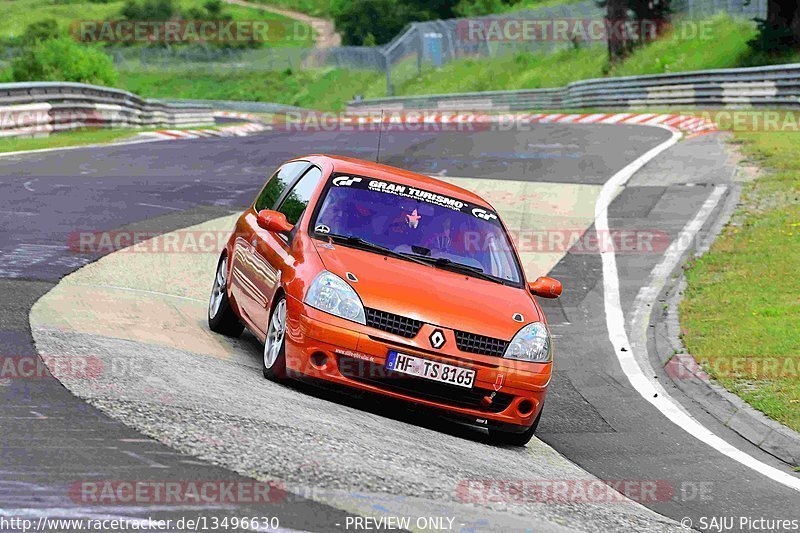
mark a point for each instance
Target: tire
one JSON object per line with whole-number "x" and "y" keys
{"x": 221, "y": 318}
{"x": 273, "y": 363}
{"x": 515, "y": 439}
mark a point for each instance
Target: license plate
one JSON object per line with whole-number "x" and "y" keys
{"x": 432, "y": 370}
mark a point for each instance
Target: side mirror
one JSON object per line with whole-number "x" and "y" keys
{"x": 546, "y": 287}
{"x": 274, "y": 221}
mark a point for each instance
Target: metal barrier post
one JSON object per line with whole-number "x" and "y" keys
{"x": 420, "y": 48}
{"x": 388, "y": 66}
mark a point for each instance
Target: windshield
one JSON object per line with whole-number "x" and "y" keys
{"x": 417, "y": 223}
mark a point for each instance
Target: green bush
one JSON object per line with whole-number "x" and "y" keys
{"x": 148, "y": 10}
{"x": 478, "y": 8}
{"x": 214, "y": 10}
{"x": 364, "y": 22}
{"x": 41, "y": 30}
{"x": 64, "y": 60}
{"x": 771, "y": 39}
{"x": 356, "y": 20}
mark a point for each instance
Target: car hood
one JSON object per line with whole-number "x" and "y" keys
{"x": 433, "y": 295}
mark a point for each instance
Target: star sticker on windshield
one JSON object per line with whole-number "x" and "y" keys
{"x": 413, "y": 219}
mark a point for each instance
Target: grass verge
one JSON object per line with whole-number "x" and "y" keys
{"x": 537, "y": 4}
{"x": 18, "y": 14}
{"x": 316, "y": 8}
{"x": 721, "y": 44}
{"x": 325, "y": 89}
{"x": 86, "y": 136}
{"x": 741, "y": 311}
{"x": 64, "y": 139}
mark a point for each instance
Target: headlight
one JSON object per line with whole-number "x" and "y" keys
{"x": 531, "y": 343}
{"x": 331, "y": 294}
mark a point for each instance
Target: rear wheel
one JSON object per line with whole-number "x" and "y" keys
{"x": 274, "y": 362}
{"x": 221, "y": 317}
{"x": 515, "y": 439}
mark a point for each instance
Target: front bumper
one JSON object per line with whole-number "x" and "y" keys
{"x": 506, "y": 394}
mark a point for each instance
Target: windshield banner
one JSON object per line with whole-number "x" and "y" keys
{"x": 413, "y": 193}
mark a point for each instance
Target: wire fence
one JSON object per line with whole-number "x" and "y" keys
{"x": 702, "y": 8}
{"x": 421, "y": 45}
{"x": 435, "y": 43}
{"x": 438, "y": 42}
{"x": 207, "y": 58}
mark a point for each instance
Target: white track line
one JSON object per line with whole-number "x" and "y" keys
{"x": 615, "y": 322}
{"x": 76, "y": 147}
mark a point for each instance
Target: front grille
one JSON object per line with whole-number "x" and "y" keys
{"x": 473, "y": 343}
{"x": 381, "y": 377}
{"x": 397, "y": 324}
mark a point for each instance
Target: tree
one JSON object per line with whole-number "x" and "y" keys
{"x": 359, "y": 19}
{"x": 640, "y": 14}
{"x": 384, "y": 19}
{"x": 616, "y": 17}
{"x": 785, "y": 14}
{"x": 650, "y": 9}
{"x": 479, "y": 8}
{"x": 64, "y": 60}
{"x": 432, "y": 9}
{"x": 41, "y": 30}
{"x": 780, "y": 31}
{"x": 148, "y": 10}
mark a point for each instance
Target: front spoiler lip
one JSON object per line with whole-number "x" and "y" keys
{"x": 410, "y": 406}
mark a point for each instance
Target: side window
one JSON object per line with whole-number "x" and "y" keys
{"x": 278, "y": 183}
{"x": 297, "y": 200}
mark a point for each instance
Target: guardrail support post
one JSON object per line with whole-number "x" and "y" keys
{"x": 388, "y": 66}
{"x": 420, "y": 49}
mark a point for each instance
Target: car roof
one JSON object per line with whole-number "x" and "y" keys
{"x": 359, "y": 167}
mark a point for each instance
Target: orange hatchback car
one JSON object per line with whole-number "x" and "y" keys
{"x": 390, "y": 282}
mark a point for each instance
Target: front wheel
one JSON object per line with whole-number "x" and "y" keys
{"x": 221, "y": 317}
{"x": 274, "y": 362}
{"x": 515, "y": 439}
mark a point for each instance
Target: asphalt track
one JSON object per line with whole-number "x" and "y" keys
{"x": 593, "y": 416}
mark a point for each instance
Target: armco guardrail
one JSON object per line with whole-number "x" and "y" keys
{"x": 37, "y": 108}
{"x": 238, "y": 105}
{"x": 773, "y": 86}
